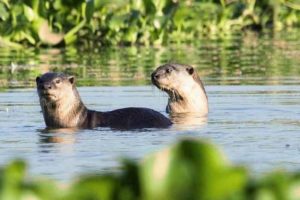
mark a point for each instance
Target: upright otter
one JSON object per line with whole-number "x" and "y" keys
{"x": 62, "y": 108}
{"x": 184, "y": 87}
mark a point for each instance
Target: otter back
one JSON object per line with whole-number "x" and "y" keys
{"x": 128, "y": 118}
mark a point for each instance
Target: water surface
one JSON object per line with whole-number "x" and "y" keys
{"x": 252, "y": 84}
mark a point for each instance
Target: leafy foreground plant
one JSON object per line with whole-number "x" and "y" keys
{"x": 190, "y": 169}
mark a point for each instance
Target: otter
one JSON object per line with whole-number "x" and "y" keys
{"x": 184, "y": 87}
{"x": 62, "y": 107}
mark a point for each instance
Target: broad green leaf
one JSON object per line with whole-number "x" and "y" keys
{"x": 29, "y": 13}
{"x": 88, "y": 8}
{"x": 4, "y": 14}
{"x": 71, "y": 35}
{"x": 94, "y": 187}
{"x": 190, "y": 170}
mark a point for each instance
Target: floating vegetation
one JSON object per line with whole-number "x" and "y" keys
{"x": 101, "y": 22}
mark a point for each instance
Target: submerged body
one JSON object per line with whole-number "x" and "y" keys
{"x": 184, "y": 87}
{"x": 62, "y": 107}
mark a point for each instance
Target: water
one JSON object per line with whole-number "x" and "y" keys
{"x": 252, "y": 85}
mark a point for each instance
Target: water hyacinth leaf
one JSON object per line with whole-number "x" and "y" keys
{"x": 159, "y": 5}
{"x": 294, "y": 189}
{"x": 4, "y": 14}
{"x": 29, "y": 37}
{"x": 70, "y": 37}
{"x": 29, "y": 13}
{"x": 276, "y": 184}
{"x": 88, "y": 8}
{"x": 7, "y": 43}
{"x": 94, "y": 187}
{"x": 129, "y": 187}
{"x": 116, "y": 22}
{"x": 43, "y": 189}
{"x": 294, "y": 4}
{"x": 189, "y": 170}
{"x": 181, "y": 15}
{"x": 149, "y": 7}
{"x": 228, "y": 183}
{"x": 11, "y": 179}
{"x": 131, "y": 35}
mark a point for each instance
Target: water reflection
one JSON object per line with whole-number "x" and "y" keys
{"x": 252, "y": 59}
{"x": 188, "y": 121}
{"x": 48, "y": 138}
{"x": 64, "y": 135}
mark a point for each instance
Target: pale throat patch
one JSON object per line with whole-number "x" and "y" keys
{"x": 193, "y": 97}
{"x": 65, "y": 110}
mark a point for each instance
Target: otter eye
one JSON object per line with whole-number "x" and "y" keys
{"x": 190, "y": 70}
{"x": 57, "y": 81}
{"x": 168, "y": 70}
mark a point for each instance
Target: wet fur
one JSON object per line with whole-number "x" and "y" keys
{"x": 184, "y": 87}
{"x": 62, "y": 107}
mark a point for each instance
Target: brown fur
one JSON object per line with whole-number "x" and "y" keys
{"x": 184, "y": 87}
{"x": 62, "y": 107}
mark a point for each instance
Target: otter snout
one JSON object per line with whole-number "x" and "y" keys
{"x": 46, "y": 86}
{"x": 158, "y": 74}
{"x": 41, "y": 85}
{"x": 154, "y": 77}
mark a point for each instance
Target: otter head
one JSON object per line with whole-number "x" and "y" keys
{"x": 175, "y": 79}
{"x": 54, "y": 86}
{"x": 60, "y": 102}
{"x": 184, "y": 87}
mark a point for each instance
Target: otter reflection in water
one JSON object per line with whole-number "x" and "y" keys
{"x": 62, "y": 107}
{"x": 184, "y": 87}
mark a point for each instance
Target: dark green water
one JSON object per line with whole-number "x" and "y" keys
{"x": 252, "y": 84}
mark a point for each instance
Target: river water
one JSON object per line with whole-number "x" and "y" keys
{"x": 252, "y": 84}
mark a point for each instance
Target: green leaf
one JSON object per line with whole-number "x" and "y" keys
{"x": 94, "y": 187}
{"x": 149, "y": 7}
{"x": 88, "y": 10}
{"x": 71, "y": 35}
{"x": 43, "y": 189}
{"x": 11, "y": 179}
{"x": 190, "y": 170}
{"x": 116, "y": 22}
{"x": 4, "y": 14}
{"x": 29, "y": 13}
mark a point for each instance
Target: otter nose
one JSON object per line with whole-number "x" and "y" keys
{"x": 46, "y": 86}
{"x": 154, "y": 76}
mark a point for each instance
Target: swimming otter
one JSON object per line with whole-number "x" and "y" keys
{"x": 62, "y": 108}
{"x": 184, "y": 87}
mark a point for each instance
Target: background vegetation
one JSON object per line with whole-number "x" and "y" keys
{"x": 189, "y": 169}
{"x": 125, "y": 22}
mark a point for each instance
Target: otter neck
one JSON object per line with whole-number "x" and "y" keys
{"x": 65, "y": 113}
{"x": 186, "y": 100}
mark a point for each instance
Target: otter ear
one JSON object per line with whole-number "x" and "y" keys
{"x": 71, "y": 79}
{"x": 190, "y": 70}
{"x": 37, "y": 80}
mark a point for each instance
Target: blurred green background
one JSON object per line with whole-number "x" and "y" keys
{"x": 125, "y": 22}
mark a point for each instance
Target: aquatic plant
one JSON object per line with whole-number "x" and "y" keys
{"x": 190, "y": 169}
{"x": 103, "y": 22}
